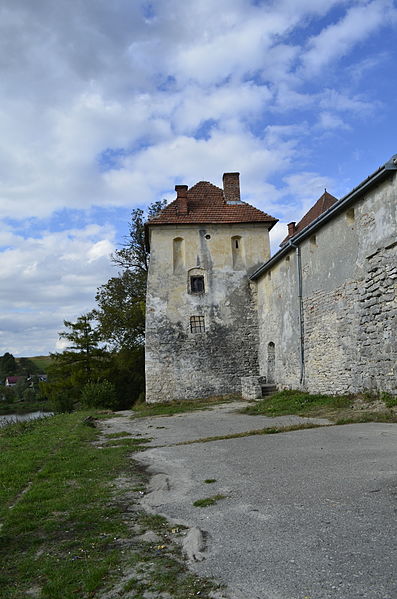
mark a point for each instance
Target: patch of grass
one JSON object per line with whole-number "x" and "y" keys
{"x": 179, "y": 407}
{"x": 390, "y": 400}
{"x": 68, "y": 531}
{"x": 297, "y": 402}
{"x": 367, "y": 417}
{"x": 208, "y": 500}
{"x": 336, "y": 408}
{"x": 132, "y": 443}
{"x": 209, "y": 481}
{"x": 55, "y": 505}
{"x": 153, "y": 522}
{"x": 261, "y": 431}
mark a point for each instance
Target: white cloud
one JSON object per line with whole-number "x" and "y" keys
{"x": 219, "y": 104}
{"x": 277, "y": 234}
{"x": 339, "y": 38}
{"x": 109, "y": 104}
{"x": 155, "y": 168}
{"x": 88, "y": 81}
{"x": 47, "y": 279}
{"x": 329, "y": 121}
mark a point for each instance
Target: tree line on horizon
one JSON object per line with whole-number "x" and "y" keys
{"x": 103, "y": 363}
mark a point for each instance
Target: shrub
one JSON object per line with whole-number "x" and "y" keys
{"x": 63, "y": 401}
{"x": 29, "y": 394}
{"x": 101, "y": 394}
{"x": 390, "y": 400}
{"x": 8, "y": 394}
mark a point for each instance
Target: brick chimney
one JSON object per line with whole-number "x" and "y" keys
{"x": 181, "y": 196}
{"x": 291, "y": 228}
{"x": 231, "y": 187}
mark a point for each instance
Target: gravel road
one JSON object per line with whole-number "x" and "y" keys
{"x": 308, "y": 514}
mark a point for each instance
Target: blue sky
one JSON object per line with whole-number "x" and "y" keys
{"x": 105, "y": 106}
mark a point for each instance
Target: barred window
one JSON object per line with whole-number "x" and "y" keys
{"x": 197, "y": 324}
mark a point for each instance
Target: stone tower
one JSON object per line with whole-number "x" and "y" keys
{"x": 201, "y": 319}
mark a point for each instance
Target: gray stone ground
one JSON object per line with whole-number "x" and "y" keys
{"x": 309, "y": 514}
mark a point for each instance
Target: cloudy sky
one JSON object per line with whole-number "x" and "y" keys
{"x": 106, "y": 105}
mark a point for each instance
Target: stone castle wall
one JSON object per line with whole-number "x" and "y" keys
{"x": 349, "y": 303}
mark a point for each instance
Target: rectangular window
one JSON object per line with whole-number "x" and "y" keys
{"x": 197, "y": 284}
{"x": 197, "y": 324}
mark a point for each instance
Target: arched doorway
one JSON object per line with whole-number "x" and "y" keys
{"x": 271, "y": 359}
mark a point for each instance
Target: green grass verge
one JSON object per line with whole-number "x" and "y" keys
{"x": 69, "y": 529}
{"x": 208, "y": 500}
{"x": 337, "y": 408}
{"x": 179, "y": 407}
{"x": 261, "y": 431}
{"x": 58, "y": 527}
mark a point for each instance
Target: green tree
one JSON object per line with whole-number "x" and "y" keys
{"x": 8, "y": 394}
{"x": 82, "y": 362}
{"x": 20, "y": 388}
{"x": 135, "y": 255}
{"x": 8, "y": 365}
{"x": 27, "y": 367}
{"x": 101, "y": 394}
{"x": 115, "y": 374}
{"x": 121, "y": 309}
{"x": 121, "y": 301}
{"x": 84, "y": 350}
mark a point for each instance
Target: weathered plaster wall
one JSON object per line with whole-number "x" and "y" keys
{"x": 185, "y": 365}
{"x": 278, "y": 315}
{"x": 349, "y": 272}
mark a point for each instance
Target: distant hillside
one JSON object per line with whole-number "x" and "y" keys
{"x": 41, "y": 362}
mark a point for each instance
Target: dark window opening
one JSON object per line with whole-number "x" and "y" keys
{"x": 197, "y": 284}
{"x": 197, "y": 324}
{"x": 236, "y": 244}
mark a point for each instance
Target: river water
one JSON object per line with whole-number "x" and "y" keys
{"x": 11, "y": 418}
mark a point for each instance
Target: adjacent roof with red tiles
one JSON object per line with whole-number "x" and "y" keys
{"x": 326, "y": 201}
{"x": 13, "y": 380}
{"x": 206, "y": 204}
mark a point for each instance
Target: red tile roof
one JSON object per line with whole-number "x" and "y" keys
{"x": 13, "y": 380}
{"x": 206, "y": 204}
{"x": 323, "y": 203}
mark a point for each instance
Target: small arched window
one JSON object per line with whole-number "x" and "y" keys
{"x": 178, "y": 247}
{"x": 237, "y": 252}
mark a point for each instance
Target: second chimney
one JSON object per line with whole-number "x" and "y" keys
{"x": 181, "y": 196}
{"x": 231, "y": 187}
{"x": 291, "y": 228}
